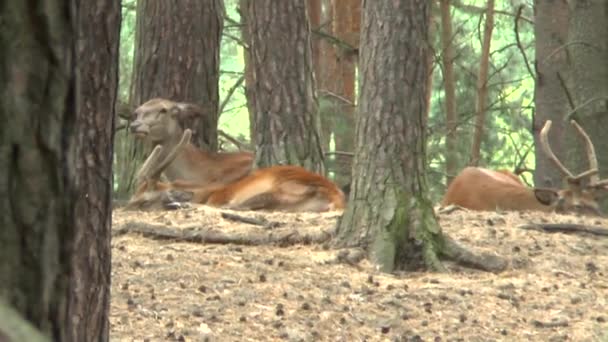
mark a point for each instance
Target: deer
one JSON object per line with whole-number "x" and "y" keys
{"x": 483, "y": 189}
{"x": 163, "y": 122}
{"x": 282, "y": 187}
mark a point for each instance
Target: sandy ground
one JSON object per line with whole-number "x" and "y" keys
{"x": 555, "y": 289}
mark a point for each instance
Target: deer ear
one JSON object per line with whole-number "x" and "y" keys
{"x": 546, "y": 196}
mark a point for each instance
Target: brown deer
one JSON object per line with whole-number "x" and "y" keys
{"x": 162, "y": 122}
{"x": 285, "y": 188}
{"x": 482, "y": 189}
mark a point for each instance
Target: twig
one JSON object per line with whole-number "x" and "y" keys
{"x": 334, "y": 95}
{"x": 251, "y": 220}
{"x": 238, "y": 144}
{"x": 339, "y": 153}
{"x": 521, "y": 48}
{"x": 230, "y": 93}
{"x": 565, "y": 228}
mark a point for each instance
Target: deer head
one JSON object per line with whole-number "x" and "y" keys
{"x": 160, "y": 121}
{"x": 582, "y": 190}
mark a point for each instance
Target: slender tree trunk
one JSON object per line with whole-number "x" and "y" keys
{"x": 59, "y": 87}
{"x": 286, "y": 118}
{"x": 482, "y": 85}
{"x": 249, "y": 77}
{"x": 346, "y": 27}
{"x": 389, "y": 166}
{"x": 551, "y": 21}
{"x": 97, "y": 87}
{"x": 449, "y": 81}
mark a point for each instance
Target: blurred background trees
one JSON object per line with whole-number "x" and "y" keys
{"x": 526, "y": 81}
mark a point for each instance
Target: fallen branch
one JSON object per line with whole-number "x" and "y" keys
{"x": 565, "y": 228}
{"x": 252, "y": 220}
{"x": 198, "y": 234}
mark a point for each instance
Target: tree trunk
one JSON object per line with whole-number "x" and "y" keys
{"x": 55, "y": 165}
{"x": 249, "y": 78}
{"x": 389, "y": 213}
{"x": 286, "y": 120}
{"x": 482, "y": 85}
{"x": 176, "y": 56}
{"x": 551, "y": 20}
{"x": 177, "y": 49}
{"x": 325, "y": 70}
{"x": 97, "y": 89}
{"x": 588, "y": 46}
{"x": 449, "y": 81}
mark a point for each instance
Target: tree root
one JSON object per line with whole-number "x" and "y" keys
{"x": 565, "y": 228}
{"x": 251, "y": 220}
{"x": 198, "y": 234}
{"x": 452, "y": 251}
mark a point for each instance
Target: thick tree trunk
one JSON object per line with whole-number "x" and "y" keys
{"x": 388, "y": 209}
{"x": 389, "y": 213}
{"x": 97, "y": 85}
{"x": 588, "y": 47}
{"x": 551, "y": 20}
{"x": 482, "y": 85}
{"x": 449, "y": 81}
{"x": 177, "y": 45}
{"x": 177, "y": 49}
{"x": 286, "y": 119}
{"x": 37, "y": 189}
{"x": 55, "y": 164}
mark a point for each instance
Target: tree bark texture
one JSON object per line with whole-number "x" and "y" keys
{"x": 388, "y": 211}
{"x": 97, "y": 85}
{"x": 177, "y": 52}
{"x": 37, "y": 187}
{"x": 449, "y": 82}
{"x": 588, "y": 46}
{"x": 482, "y": 85}
{"x": 286, "y": 119}
{"x": 551, "y": 21}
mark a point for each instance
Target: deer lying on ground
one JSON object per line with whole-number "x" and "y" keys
{"x": 162, "y": 122}
{"x": 482, "y": 189}
{"x": 285, "y": 188}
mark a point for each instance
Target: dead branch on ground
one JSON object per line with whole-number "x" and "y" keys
{"x": 565, "y": 228}
{"x": 199, "y": 234}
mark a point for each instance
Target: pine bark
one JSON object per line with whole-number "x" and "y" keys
{"x": 588, "y": 47}
{"x": 388, "y": 212}
{"x": 551, "y": 21}
{"x": 286, "y": 118}
{"x": 59, "y": 89}
{"x": 177, "y": 49}
{"x": 97, "y": 86}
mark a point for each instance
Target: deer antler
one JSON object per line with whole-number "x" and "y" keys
{"x": 144, "y": 170}
{"x": 156, "y": 170}
{"x": 593, "y": 172}
{"x": 152, "y": 168}
{"x": 544, "y": 142}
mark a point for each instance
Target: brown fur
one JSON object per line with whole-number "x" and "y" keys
{"x": 284, "y": 188}
{"x": 482, "y": 189}
{"x": 162, "y": 122}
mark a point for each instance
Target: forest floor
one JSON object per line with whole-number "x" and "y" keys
{"x": 555, "y": 288}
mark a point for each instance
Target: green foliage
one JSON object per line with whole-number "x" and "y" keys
{"x": 507, "y": 131}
